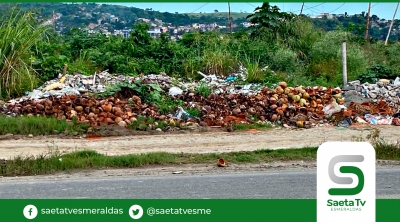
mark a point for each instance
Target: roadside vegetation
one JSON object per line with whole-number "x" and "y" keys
{"x": 292, "y": 47}
{"x": 56, "y": 161}
{"x": 43, "y": 126}
{"x": 82, "y": 160}
{"x": 40, "y": 125}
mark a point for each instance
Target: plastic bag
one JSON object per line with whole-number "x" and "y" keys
{"x": 332, "y": 109}
{"x": 396, "y": 81}
{"x": 174, "y": 91}
{"x": 346, "y": 122}
{"x": 379, "y": 120}
{"x": 230, "y": 79}
{"x": 182, "y": 114}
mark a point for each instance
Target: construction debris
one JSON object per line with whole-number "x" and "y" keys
{"x": 382, "y": 90}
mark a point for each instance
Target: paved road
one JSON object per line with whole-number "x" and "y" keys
{"x": 270, "y": 184}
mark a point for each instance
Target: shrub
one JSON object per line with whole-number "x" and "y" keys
{"x": 284, "y": 60}
{"x": 326, "y": 56}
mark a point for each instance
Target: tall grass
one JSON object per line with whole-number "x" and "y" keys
{"x": 39, "y": 125}
{"x": 18, "y": 35}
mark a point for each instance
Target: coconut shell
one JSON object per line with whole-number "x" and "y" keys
{"x": 283, "y": 85}
{"x": 221, "y": 162}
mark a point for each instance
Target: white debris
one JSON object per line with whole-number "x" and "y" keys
{"x": 174, "y": 91}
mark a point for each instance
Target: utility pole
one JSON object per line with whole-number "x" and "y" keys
{"x": 368, "y": 17}
{"x": 391, "y": 24}
{"x": 54, "y": 21}
{"x": 230, "y": 18}
{"x": 301, "y": 11}
{"x": 344, "y": 64}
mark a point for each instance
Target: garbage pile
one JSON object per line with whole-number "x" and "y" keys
{"x": 72, "y": 96}
{"x": 299, "y": 106}
{"x": 80, "y": 84}
{"x": 88, "y": 109}
{"x": 218, "y": 85}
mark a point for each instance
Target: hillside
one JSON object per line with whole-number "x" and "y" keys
{"x": 111, "y": 19}
{"x": 234, "y": 15}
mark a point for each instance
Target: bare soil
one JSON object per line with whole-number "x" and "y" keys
{"x": 191, "y": 141}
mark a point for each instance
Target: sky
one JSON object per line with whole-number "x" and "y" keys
{"x": 382, "y": 10}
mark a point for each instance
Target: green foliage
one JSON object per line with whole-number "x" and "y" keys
{"x": 49, "y": 66}
{"x": 254, "y": 72}
{"x": 195, "y": 112}
{"x": 258, "y": 126}
{"x": 147, "y": 92}
{"x": 18, "y": 35}
{"x": 166, "y": 104}
{"x": 284, "y": 60}
{"x": 41, "y": 125}
{"x": 142, "y": 123}
{"x": 269, "y": 19}
{"x": 326, "y": 56}
{"x": 375, "y": 73}
{"x": 203, "y": 89}
{"x": 293, "y": 47}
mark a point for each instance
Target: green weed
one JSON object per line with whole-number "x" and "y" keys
{"x": 39, "y": 125}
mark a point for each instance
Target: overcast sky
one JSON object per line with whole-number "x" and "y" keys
{"x": 382, "y": 10}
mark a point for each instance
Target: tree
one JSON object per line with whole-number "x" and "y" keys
{"x": 140, "y": 35}
{"x": 268, "y": 18}
{"x": 215, "y": 10}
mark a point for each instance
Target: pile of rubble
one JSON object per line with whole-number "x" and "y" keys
{"x": 377, "y": 103}
{"x": 382, "y": 90}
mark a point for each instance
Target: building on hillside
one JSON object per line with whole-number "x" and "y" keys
{"x": 114, "y": 19}
{"x": 164, "y": 29}
{"x": 338, "y": 15}
{"x": 118, "y": 32}
{"x": 92, "y": 25}
{"x": 247, "y": 24}
{"x": 322, "y": 15}
{"x": 158, "y": 22}
{"x": 126, "y": 33}
{"x": 154, "y": 33}
{"x": 143, "y": 20}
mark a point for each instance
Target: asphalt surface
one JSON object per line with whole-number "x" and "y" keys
{"x": 266, "y": 184}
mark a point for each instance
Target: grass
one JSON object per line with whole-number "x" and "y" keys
{"x": 204, "y": 90}
{"x": 39, "y": 125}
{"x": 258, "y": 126}
{"x": 254, "y": 72}
{"x": 88, "y": 159}
{"x": 18, "y": 35}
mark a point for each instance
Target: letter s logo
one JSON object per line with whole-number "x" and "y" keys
{"x": 346, "y": 180}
